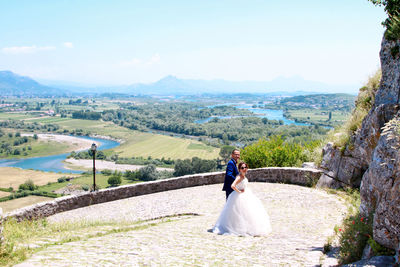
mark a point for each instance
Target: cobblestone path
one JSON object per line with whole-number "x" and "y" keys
{"x": 302, "y": 219}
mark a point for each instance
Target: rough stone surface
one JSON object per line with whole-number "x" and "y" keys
{"x": 299, "y": 176}
{"x": 366, "y": 139}
{"x": 367, "y": 253}
{"x": 330, "y": 159}
{"x": 377, "y": 261}
{"x": 339, "y": 167}
{"x": 380, "y": 190}
{"x": 350, "y": 172}
{"x": 326, "y": 181}
{"x": 373, "y": 157}
{"x": 299, "y": 232}
{"x": 350, "y": 165}
{"x": 388, "y": 92}
{"x": 309, "y": 165}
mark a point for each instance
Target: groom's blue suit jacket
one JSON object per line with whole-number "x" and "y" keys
{"x": 230, "y": 175}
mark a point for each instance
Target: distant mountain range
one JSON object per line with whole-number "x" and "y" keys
{"x": 13, "y": 84}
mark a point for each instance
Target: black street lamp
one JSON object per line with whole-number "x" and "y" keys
{"x": 93, "y": 148}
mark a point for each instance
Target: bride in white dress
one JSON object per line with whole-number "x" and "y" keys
{"x": 243, "y": 213}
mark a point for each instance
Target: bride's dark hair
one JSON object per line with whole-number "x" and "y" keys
{"x": 241, "y": 164}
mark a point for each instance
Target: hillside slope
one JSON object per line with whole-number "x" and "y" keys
{"x": 371, "y": 157}
{"x": 12, "y": 84}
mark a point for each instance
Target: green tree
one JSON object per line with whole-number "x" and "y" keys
{"x": 225, "y": 152}
{"x": 148, "y": 173}
{"x": 183, "y": 167}
{"x": 273, "y": 152}
{"x": 195, "y": 165}
{"x": 392, "y": 7}
{"x": 131, "y": 175}
{"x": 114, "y": 180}
{"x": 202, "y": 165}
{"x": 392, "y": 23}
{"x": 28, "y": 185}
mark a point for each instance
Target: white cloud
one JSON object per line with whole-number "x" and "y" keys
{"x": 68, "y": 45}
{"x": 26, "y": 49}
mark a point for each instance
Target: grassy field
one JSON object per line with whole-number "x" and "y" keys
{"x": 158, "y": 146}
{"x": 39, "y": 147}
{"x": 47, "y": 148}
{"x": 144, "y": 144}
{"x": 47, "y": 119}
{"x": 101, "y": 181}
{"x": 318, "y": 116}
{"x": 14, "y": 177}
{"x": 14, "y": 204}
{"x": 14, "y": 116}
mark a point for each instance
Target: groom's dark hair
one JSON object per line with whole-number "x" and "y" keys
{"x": 233, "y": 151}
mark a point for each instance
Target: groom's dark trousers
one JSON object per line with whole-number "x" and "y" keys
{"x": 230, "y": 176}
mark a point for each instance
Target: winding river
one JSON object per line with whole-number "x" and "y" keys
{"x": 54, "y": 163}
{"x": 271, "y": 114}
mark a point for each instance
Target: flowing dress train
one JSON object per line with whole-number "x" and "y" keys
{"x": 243, "y": 214}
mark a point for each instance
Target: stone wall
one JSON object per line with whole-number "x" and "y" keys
{"x": 1, "y": 226}
{"x": 299, "y": 176}
{"x": 380, "y": 189}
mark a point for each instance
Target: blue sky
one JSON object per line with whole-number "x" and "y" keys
{"x": 124, "y": 42}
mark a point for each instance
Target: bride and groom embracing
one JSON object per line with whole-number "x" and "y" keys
{"x": 243, "y": 213}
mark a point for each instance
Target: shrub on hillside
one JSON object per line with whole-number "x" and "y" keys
{"x": 28, "y": 185}
{"x": 165, "y": 174}
{"x": 392, "y": 23}
{"x": 274, "y": 152}
{"x": 147, "y": 173}
{"x": 114, "y": 180}
{"x": 106, "y": 172}
{"x": 365, "y": 100}
{"x": 132, "y": 175}
{"x": 354, "y": 235}
{"x": 85, "y": 187}
{"x": 194, "y": 165}
{"x": 87, "y": 155}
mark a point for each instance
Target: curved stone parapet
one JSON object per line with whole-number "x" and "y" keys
{"x": 1, "y": 226}
{"x": 298, "y": 176}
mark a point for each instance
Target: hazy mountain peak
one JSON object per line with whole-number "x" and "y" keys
{"x": 14, "y": 84}
{"x": 169, "y": 78}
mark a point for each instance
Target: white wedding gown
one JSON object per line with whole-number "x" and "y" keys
{"x": 243, "y": 214}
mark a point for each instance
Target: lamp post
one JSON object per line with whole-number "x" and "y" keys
{"x": 93, "y": 148}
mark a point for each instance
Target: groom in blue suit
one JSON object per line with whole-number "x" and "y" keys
{"x": 231, "y": 172}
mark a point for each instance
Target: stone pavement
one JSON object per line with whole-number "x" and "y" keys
{"x": 302, "y": 219}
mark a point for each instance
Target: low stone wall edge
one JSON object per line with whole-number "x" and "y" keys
{"x": 292, "y": 175}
